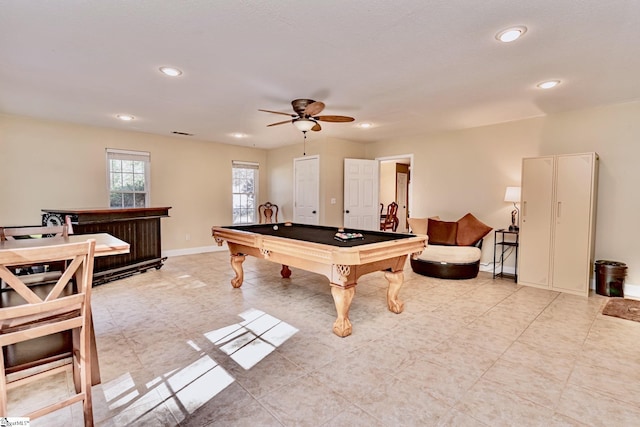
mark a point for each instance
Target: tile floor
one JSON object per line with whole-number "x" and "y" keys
{"x": 478, "y": 352}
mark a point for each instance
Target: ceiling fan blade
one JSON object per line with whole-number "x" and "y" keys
{"x": 334, "y": 118}
{"x": 278, "y": 112}
{"x": 314, "y": 108}
{"x": 316, "y": 127}
{"x": 279, "y": 123}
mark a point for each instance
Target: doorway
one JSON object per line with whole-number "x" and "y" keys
{"x": 395, "y": 186}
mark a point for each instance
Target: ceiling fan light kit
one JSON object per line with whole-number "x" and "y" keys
{"x": 306, "y": 115}
{"x": 304, "y": 125}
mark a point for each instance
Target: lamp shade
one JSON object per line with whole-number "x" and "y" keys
{"x": 512, "y": 194}
{"x": 304, "y": 125}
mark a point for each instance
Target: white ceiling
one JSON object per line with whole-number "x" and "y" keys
{"x": 408, "y": 67}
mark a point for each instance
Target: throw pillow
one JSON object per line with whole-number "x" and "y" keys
{"x": 418, "y": 225}
{"x": 442, "y": 232}
{"x": 470, "y": 230}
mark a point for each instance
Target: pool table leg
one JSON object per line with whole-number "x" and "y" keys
{"x": 342, "y": 299}
{"x": 285, "y": 272}
{"x": 236, "y": 264}
{"x": 395, "y": 279}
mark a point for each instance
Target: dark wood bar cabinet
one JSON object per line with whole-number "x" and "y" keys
{"x": 140, "y": 227}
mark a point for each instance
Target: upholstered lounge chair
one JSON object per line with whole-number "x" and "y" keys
{"x": 454, "y": 248}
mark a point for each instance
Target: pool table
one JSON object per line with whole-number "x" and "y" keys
{"x": 315, "y": 248}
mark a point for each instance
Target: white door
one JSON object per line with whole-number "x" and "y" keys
{"x": 361, "y": 209}
{"x": 401, "y": 198}
{"x": 306, "y": 196}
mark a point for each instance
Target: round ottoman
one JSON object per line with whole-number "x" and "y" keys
{"x": 448, "y": 262}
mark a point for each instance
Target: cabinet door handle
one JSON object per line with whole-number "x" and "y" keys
{"x": 559, "y": 209}
{"x": 524, "y": 210}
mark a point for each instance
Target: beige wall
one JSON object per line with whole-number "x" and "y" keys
{"x": 332, "y": 152}
{"x": 58, "y": 165}
{"x": 457, "y": 172}
{"x": 453, "y": 173}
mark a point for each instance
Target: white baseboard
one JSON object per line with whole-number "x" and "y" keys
{"x": 631, "y": 291}
{"x": 488, "y": 267}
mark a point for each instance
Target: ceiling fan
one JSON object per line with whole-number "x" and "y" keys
{"x": 306, "y": 115}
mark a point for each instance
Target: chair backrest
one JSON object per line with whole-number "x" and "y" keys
{"x": 268, "y": 212}
{"x": 64, "y": 306}
{"x": 390, "y": 220}
{"x": 392, "y": 209}
{"x": 10, "y": 233}
{"x": 79, "y": 260}
{"x": 38, "y": 273}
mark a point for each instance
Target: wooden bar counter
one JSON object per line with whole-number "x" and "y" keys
{"x": 138, "y": 226}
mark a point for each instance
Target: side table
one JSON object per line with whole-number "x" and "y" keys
{"x": 503, "y": 240}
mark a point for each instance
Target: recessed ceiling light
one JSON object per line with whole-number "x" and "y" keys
{"x": 125, "y": 117}
{"x": 239, "y": 135}
{"x": 170, "y": 71}
{"x": 511, "y": 34}
{"x": 365, "y": 125}
{"x": 548, "y": 84}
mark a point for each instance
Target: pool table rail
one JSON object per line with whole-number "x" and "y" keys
{"x": 323, "y": 253}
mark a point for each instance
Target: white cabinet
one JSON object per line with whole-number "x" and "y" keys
{"x": 557, "y": 227}
{"x": 535, "y": 221}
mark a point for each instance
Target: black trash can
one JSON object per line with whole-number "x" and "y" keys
{"x": 610, "y": 277}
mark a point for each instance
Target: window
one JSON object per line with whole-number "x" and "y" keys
{"x": 245, "y": 192}
{"x": 128, "y": 178}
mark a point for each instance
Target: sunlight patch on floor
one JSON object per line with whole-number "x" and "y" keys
{"x": 120, "y": 392}
{"x": 198, "y": 383}
{"x": 192, "y": 386}
{"x": 250, "y": 341}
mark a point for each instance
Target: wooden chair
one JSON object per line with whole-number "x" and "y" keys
{"x": 37, "y": 273}
{"x": 390, "y": 220}
{"x": 10, "y": 233}
{"x": 267, "y": 211}
{"x": 65, "y": 306}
